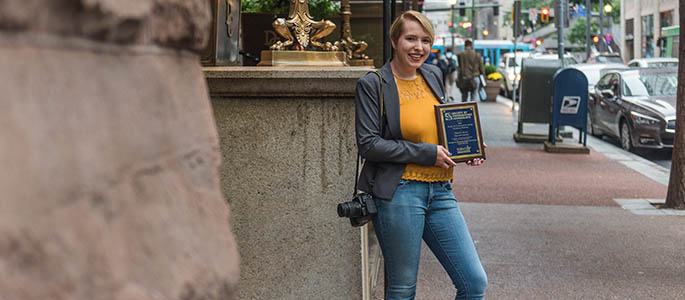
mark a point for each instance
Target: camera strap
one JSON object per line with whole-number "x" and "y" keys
{"x": 381, "y": 114}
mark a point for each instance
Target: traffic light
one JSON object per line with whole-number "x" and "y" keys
{"x": 544, "y": 15}
{"x": 495, "y": 11}
{"x": 595, "y": 39}
{"x": 462, "y": 9}
{"x": 420, "y": 5}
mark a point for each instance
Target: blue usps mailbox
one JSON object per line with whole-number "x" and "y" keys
{"x": 570, "y": 103}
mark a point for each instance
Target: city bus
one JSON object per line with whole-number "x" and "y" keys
{"x": 492, "y": 50}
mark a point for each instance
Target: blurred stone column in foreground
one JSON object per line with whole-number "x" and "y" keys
{"x": 109, "y": 186}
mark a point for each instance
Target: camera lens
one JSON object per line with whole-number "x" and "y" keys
{"x": 349, "y": 209}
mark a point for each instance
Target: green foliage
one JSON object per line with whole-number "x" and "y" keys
{"x": 319, "y": 9}
{"x": 526, "y": 4}
{"x": 489, "y": 69}
{"x": 577, "y": 33}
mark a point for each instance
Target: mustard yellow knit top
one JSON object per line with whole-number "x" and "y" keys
{"x": 417, "y": 122}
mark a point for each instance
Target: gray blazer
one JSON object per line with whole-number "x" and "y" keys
{"x": 387, "y": 156}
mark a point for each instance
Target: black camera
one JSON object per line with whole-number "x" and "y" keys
{"x": 360, "y": 210}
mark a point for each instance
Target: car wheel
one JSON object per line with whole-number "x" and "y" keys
{"x": 626, "y": 142}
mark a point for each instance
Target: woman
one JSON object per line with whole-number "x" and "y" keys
{"x": 408, "y": 171}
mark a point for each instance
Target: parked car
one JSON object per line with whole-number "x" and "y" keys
{"x": 605, "y": 58}
{"x": 568, "y": 58}
{"x": 511, "y": 69}
{"x": 594, "y": 71}
{"x": 637, "y": 106}
{"x": 655, "y": 62}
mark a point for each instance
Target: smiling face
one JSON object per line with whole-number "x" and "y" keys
{"x": 413, "y": 45}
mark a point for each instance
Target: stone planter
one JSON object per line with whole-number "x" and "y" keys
{"x": 492, "y": 90}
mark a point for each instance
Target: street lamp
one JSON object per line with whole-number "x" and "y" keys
{"x": 608, "y": 8}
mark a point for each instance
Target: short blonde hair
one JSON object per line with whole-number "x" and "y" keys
{"x": 396, "y": 28}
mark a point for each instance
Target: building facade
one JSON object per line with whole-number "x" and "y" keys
{"x": 642, "y": 22}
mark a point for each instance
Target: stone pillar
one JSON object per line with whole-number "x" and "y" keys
{"x": 109, "y": 184}
{"x": 289, "y": 153}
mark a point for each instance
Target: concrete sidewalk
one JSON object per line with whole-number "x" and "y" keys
{"x": 552, "y": 226}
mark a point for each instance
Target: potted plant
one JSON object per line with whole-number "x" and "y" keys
{"x": 493, "y": 83}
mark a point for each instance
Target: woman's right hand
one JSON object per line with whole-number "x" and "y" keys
{"x": 443, "y": 159}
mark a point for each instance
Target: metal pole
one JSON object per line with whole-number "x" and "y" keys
{"x": 517, "y": 28}
{"x": 513, "y": 83}
{"x": 560, "y": 30}
{"x": 473, "y": 20}
{"x": 393, "y": 11}
{"x": 588, "y": 26}
{"x": 452, "y": 19}
{"x": 387, "y": 47}
{"x": 601, "y": 25}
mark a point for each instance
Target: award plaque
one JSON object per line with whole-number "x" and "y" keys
{"x": 459, "y": 130}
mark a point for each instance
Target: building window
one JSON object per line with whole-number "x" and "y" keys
{"x": 630, "y": 52}
{"x": 647, "y": 36}
{"x": 665, "y": 19}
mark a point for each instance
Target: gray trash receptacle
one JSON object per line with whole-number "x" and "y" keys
{"x": 536, "y": 90}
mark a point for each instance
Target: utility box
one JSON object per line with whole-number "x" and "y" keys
{"x": 536, "y": 89}
{"x": 535, "y": 97}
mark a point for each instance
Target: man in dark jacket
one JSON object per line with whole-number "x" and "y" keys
{"x": 470, "y": 69}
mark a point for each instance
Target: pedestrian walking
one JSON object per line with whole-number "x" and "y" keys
{"x": 407, "y": 172}
{"x": 451, "y": 74}
{"x": 470, "y": 69}
{"x": 443, "y": 64}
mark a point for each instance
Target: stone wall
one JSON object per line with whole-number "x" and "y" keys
{"x": 110, "y": 186}
{"x": 288, "y": 151}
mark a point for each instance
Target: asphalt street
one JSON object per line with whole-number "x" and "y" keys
{"x": 563, "y": 226}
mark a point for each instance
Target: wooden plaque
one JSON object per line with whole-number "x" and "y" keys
{"x": 459, "y": 130}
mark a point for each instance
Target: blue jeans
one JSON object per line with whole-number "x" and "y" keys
{"x": 426, "y": 210}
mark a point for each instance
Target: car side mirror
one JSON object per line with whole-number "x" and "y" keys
{"x": 501, "y": 66}
{"x": 608, "y": 93}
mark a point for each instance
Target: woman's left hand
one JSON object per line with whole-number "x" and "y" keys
{"x": 477, "y": 161}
